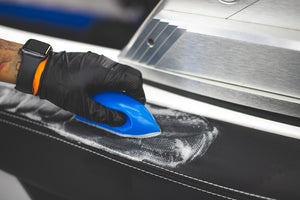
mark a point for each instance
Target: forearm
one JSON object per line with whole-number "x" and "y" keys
{"x": 10, "y": 60}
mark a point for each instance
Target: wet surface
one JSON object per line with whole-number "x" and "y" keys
{"x": 184, "y": 136}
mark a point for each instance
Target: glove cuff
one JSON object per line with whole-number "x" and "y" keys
{"x": 41, "y": 90}
{"x": 37, "y": 77}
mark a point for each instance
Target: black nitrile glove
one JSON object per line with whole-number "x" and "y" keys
{"x": 70, "y": 79}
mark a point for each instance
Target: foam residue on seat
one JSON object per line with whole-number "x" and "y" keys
{"x": 184, "y": 137}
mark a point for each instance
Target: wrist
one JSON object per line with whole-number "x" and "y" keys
{"x": 10, "y": 60}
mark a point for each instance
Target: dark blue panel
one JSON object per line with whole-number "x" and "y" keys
{"x": 52, "y": 17}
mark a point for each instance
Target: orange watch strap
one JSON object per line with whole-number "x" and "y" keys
{"x": 37, "y": 76}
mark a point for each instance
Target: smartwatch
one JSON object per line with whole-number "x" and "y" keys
{"x": 33, "y": 52}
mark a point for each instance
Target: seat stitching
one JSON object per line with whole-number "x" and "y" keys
{"x": 114, "y": 160}
{"x": 174, "y": 172}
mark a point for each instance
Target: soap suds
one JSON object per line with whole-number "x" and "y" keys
{"x": 184, "y": 137}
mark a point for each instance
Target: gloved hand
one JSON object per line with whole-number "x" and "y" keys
{"x": 70, "y": 79}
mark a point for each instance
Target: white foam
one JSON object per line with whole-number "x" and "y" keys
{"x": 184, "y": 137}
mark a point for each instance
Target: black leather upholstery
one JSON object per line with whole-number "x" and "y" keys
{"x": 239, "y": 163}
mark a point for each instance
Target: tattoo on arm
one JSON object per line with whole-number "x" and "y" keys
{"x": 10, "y": 60}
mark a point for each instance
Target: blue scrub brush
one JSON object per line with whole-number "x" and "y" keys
{"x": 139, "y": 121}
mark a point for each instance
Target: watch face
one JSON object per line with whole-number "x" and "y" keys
{"x": 37, "y": 48}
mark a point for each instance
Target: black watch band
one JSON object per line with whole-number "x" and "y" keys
{"x": 33, "y": 52}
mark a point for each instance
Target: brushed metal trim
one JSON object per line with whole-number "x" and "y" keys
{"x": 227, "y": 92}
{"x": 233, "y": 29}
{"x": 141, "y": 38}
{"x": 166, "y": 46}
{"x": 142, "y": 49}
{"x": 154, "y": 12}
{"x": 212, "y": 8}
{"x": 158, "y": 42}
{"x": 284, "y": 14}
{"x": 255, "y": 65}
{"x": 260, "y": 67}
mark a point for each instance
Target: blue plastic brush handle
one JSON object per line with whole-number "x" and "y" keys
{"x": 139, "y": 121}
